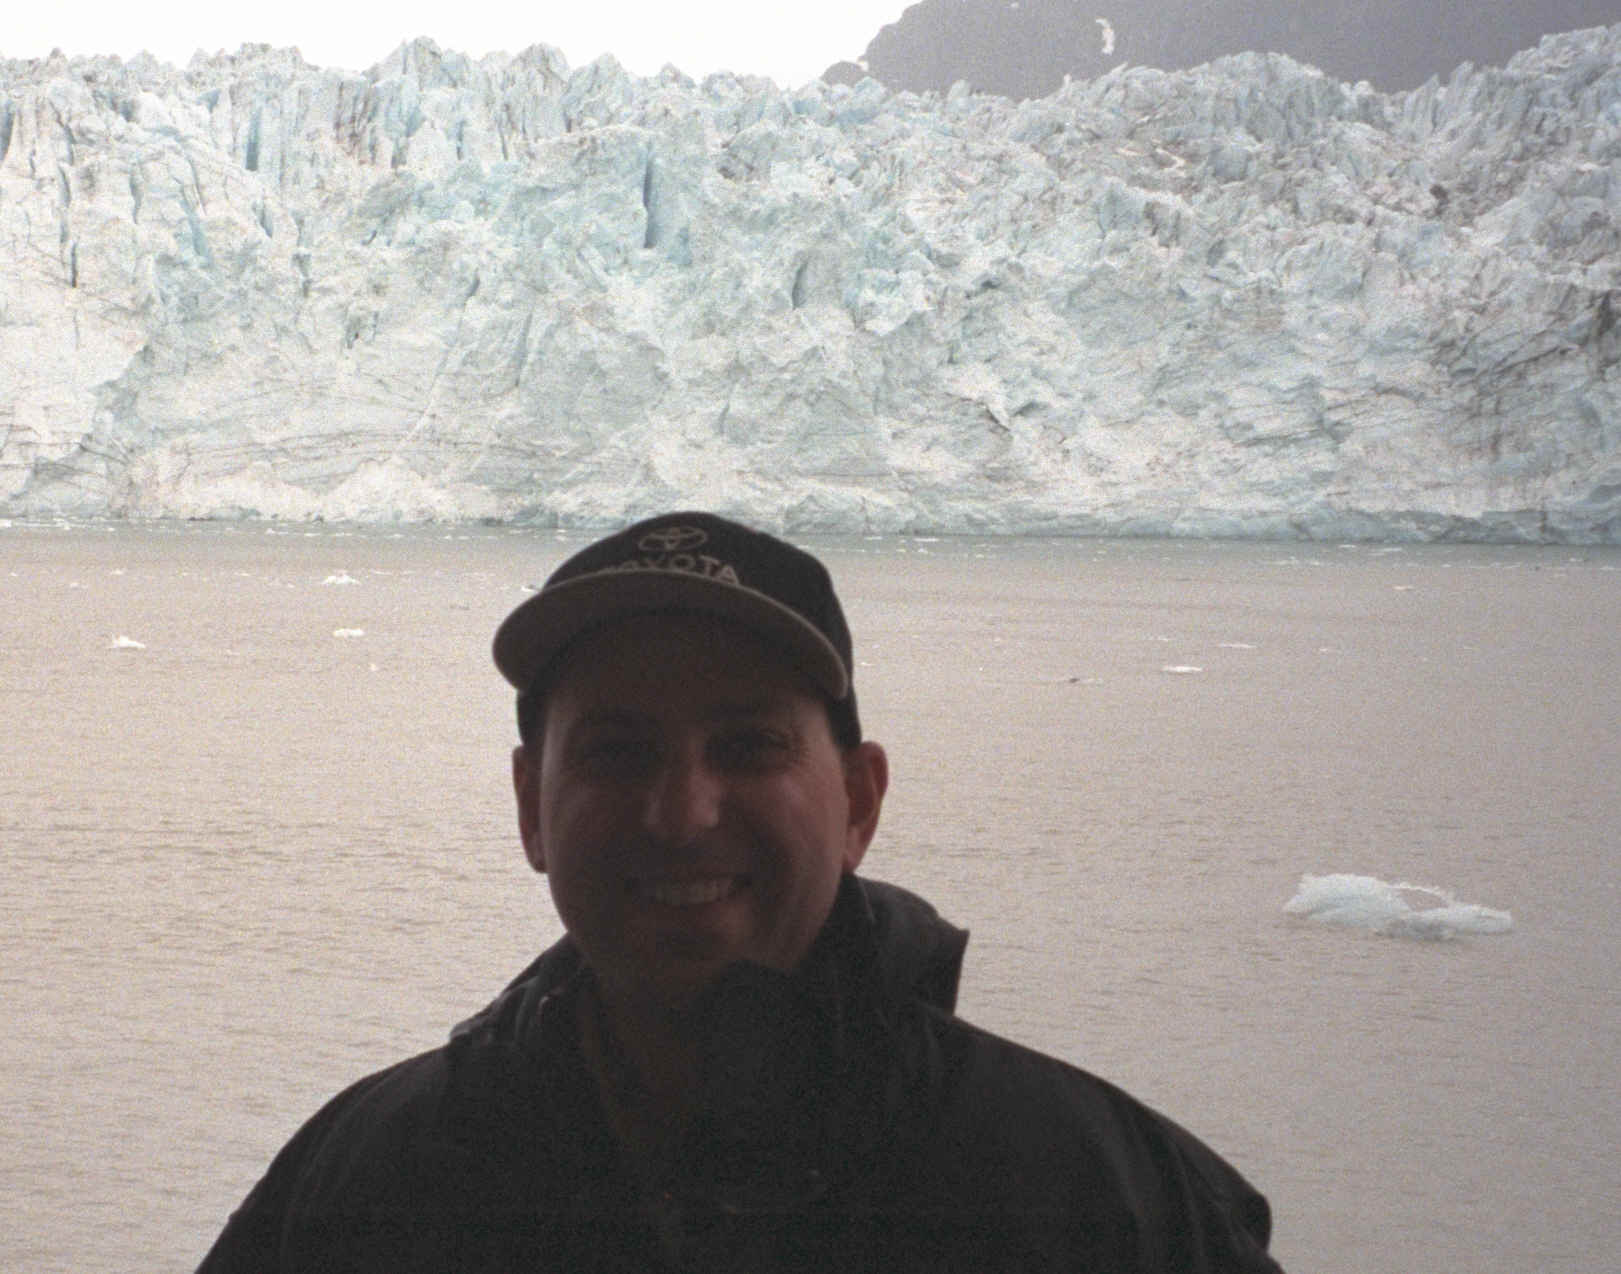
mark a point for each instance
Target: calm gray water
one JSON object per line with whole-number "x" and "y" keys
{"x": 258, "y": 841}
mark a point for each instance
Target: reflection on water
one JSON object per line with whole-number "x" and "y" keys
{"x": 259, "y": 841}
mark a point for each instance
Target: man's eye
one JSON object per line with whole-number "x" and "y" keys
{"x": 750, "y": 749}
{"x": 616, "y": 757}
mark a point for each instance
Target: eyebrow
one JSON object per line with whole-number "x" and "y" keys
{"x": 608, "y": 717}
{"x": 745, "y": 708}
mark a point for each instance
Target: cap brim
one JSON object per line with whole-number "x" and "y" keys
{"x": 534, "y": 634}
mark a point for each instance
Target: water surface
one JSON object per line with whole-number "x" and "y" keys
{"x": 259, "y": 841}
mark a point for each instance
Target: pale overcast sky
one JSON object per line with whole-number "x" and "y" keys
{"x": 791, "y": 44}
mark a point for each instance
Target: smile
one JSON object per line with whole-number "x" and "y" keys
{"x": 690, "y": 893}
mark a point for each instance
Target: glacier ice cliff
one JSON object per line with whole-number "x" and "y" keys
{"x": 1245, "y": 299}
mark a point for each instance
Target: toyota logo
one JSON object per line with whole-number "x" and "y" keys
{"x": 673, "y": 539}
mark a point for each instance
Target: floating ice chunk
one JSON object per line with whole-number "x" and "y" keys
{"x": 122, "y": 642}
{"x": 1181, "y": 670}
{"x": 1366, "y": 902}
{"x": 342, "y": 577}
{"x": 348, "y": 632}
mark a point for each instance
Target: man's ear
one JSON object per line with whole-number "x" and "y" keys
{"x": 866, "y": 779}
{"x": 526, "y": 787}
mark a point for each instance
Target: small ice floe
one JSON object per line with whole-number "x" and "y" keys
{"x": 122, "y": 642}
{"x": 348, "y": 632}
{"x": 1235, "y": 645}
{"x": 342, "y": 577}
{"x": 1366, "y": 902}
{"x": 1181, "y": 670}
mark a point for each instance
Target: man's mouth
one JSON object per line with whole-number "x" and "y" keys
{"x": 690, "y": 893}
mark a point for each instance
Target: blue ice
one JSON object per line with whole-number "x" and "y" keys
{"x": 1399, "y": 910}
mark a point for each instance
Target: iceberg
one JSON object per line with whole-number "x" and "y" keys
{"x": 1366, "y": 902}
{"x": 1240, "y": 300}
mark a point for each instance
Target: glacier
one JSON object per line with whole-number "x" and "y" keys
{"x": 1241, "y": 300}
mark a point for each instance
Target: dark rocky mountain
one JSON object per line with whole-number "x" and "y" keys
{"x": 1025, "y": 48}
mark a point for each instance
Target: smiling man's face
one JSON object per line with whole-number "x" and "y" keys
{"x": 689, "y": 805}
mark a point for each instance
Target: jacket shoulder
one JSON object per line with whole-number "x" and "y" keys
{"x": 334, "y": 1154}
{"x": 1021, "y": 1134}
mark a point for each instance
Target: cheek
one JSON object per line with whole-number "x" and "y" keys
{"x": 813, "y": 821}
{"x": 582, "y": 895}
{"x": 570, "y": 835}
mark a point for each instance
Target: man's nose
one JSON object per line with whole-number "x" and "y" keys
{"x": 684, "y": 800}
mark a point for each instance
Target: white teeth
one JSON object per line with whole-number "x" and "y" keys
{"x": 689, "y": 893}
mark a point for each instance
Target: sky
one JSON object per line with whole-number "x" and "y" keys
{"x": 790, "y": 44}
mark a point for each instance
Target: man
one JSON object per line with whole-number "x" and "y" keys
{"x": 742, "y": 1056}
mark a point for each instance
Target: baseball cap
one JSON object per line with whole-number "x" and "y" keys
{"x": 691, "y": 562}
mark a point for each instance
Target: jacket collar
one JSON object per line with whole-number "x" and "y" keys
{"x": 804, "y": 1074}
{"x": 900, "y": 944}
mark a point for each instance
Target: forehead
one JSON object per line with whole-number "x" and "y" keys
{"x": 671, "y": 659}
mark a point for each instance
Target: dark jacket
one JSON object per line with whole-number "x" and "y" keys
{"x": 848, "y": 1122}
